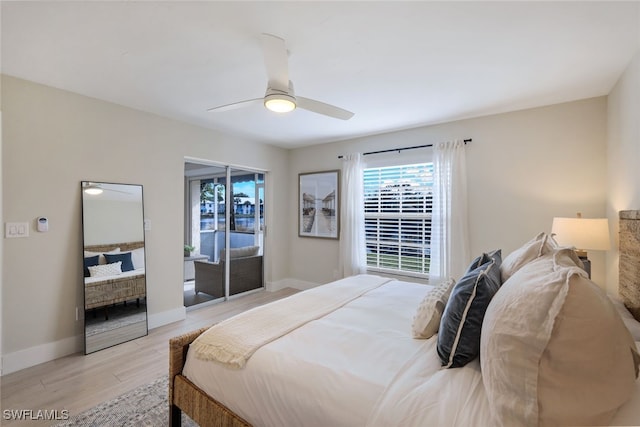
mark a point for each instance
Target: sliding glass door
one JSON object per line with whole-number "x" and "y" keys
{"x": 245, "y": 231}
{"x": 226, "y": 211}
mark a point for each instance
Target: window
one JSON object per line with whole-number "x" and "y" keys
{"x": 208, "y": 197}
{"x": 397, "y": 212}
{"x": 244, "y": 213}
{"x": 212, "y": 204}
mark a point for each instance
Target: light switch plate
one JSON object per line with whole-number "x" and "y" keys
{"x": 16, "y": 229}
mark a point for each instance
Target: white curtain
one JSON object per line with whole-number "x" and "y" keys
{"x": 352, "y": 237}
{"x": 449, "y": 229}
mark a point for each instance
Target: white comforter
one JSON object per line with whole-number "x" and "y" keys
{"x": 357, "y": 366}
{"x": 234, "y": 340}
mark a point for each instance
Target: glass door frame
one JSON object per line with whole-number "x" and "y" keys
{"x": 229, "y": 170}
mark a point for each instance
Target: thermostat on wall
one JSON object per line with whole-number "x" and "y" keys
{"x": 43, "y": 223}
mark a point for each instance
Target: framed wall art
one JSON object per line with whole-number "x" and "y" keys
{"x": 319, "y": 204}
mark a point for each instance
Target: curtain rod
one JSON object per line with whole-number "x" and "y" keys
{"x": 403, "y": 148}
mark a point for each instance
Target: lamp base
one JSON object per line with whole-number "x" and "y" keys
{"x": 581, "y": 253}
{"x": 586, "y": 265}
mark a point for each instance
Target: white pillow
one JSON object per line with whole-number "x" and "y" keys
{"x": 427, "y": 318}
{"x": 106, "y": 269}
{"x": 553, "y": 349}
{"x": 137, "y": 258}
{"x": 102, "y": 259}
{"x": 629, "y": 321}
{"x": 534, "y": 248}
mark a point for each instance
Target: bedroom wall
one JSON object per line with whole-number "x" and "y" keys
{"x": 623, "y": 157}
{"x": 524, "y": 168}
{"x": 53, "y": 140}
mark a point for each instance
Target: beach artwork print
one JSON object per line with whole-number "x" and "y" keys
{"x": 318, "y": 204}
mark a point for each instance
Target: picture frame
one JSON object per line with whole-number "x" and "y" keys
{"x": 319, "y": 204}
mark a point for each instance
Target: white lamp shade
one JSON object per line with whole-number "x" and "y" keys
{"x": 582, "y": 233}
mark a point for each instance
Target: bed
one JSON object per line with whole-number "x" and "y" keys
{"x": 364, "y": 350}
{"x": 103, "y": 291}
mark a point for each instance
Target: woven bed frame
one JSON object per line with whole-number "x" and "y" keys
{"x": 207, "y": 412}
{"x": 185, "y": 396}
{"x": 124, "y": 247}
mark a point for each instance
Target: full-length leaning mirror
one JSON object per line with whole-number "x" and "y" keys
{"x": 114, "y": 278}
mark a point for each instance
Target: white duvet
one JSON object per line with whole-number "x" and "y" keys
{"x": 357, "y": 366}
{"x": 234, "y": 340}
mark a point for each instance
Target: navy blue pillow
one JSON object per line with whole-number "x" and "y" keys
{"x": 461, "y": 323}
{"x": 90, "y": 261}
{"x": 125, "y": 257}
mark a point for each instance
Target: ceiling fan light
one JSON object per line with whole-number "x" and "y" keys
{"x": 280, "y": 103}
{"x": 93, "y": 189}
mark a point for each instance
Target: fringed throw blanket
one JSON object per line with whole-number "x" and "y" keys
{"x": 234, "y": 340}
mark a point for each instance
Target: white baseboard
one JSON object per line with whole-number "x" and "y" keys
{"x": 22, "y": 359}
{"x": 42, "y": 353}
{"x": 290, "y": 283}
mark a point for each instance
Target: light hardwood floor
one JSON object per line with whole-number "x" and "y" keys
{"x": 78, "y": 382}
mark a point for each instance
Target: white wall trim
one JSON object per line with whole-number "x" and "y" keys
{"x": 290, "y": 283}
{"x": 33, "y": 356}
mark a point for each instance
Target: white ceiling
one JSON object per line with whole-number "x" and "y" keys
{"x": 397, "y": 65}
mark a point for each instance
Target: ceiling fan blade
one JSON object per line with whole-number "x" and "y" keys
{"x": 276, "y": 61}
{"x": 236, "y": 105}
{"x": 322, "y": 108}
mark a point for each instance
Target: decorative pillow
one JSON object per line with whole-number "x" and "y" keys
{"x": 124, "y": 257}
{"x": 565, "y": 257}
{"x": 534, "y": 248}
{"x": 89, "y": 262}
{"x": 137, "y": 258}
{"x": 242, "y": 252}
{"x": 102, "y": 259}
{"x": 629, "y": 321}
{"x": 459, "y": 333}
{"x": 553, "y": 349}
{"x": 106, "y": 269}
{"x": 427, "y": 318}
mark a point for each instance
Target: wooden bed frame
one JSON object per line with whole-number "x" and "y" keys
{"x": 184, "y": 396}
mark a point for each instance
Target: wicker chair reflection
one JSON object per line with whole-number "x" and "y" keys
{"x": 245, "y": 275}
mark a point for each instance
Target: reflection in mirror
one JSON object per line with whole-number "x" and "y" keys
{"x": 114, "y": 264}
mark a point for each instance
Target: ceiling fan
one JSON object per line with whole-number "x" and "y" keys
{"x": 280, "y": 96}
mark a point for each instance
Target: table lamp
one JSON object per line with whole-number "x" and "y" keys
{"x": 583, "y": 234}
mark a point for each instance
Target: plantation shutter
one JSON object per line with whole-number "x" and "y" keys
{"x": 397, "y": 210}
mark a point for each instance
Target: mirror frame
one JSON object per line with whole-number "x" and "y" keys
{"x": 113, "y": 291}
